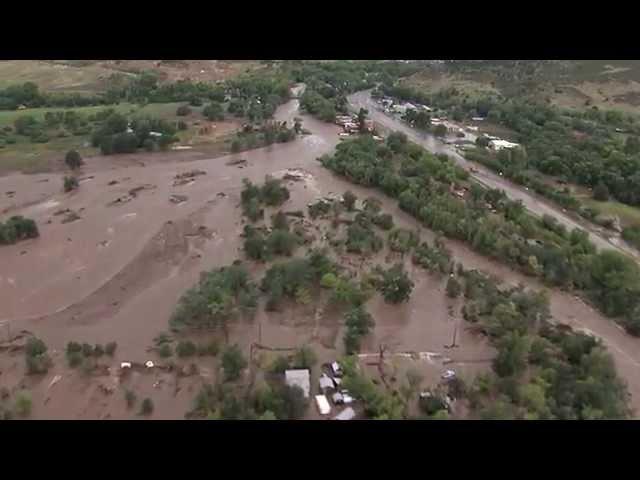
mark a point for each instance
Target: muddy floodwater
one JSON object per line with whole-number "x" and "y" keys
{"x": 113, "y": 258}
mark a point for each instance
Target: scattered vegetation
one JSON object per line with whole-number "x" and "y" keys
{"x": 17, "y": 228}
{"x": 37, "y": 359}
{"x": 233, "y": 363}
{"x": 70, "y": 183}
{"x": 492, "y": 224}
{"x": 219, "y": 296}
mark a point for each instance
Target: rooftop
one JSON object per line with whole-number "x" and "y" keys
{"x": 298, "y": 378}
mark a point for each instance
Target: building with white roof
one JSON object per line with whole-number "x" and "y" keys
{"x": 298, "y": 378}
{"x": 500, "y": 144}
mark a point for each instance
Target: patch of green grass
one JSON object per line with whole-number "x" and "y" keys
{"x": 54, "y": 76}
{"x": 628, "y": 215}
{"x": 7, "y": 117}
{"x": 34, "y": 157}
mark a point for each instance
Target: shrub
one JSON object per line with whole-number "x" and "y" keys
{"x": 165, "y": 350}
{"x": 236, "y": 145}
{"x": 304, "y": 357}
{"x": 601, "y": 192}
{"x": 273, "y": 192}
{"x": 233, "y": 362}
{"x": 358, "y": 322}
{"x": 87, "y": 349}
{"x": 74, "y": 358}
{"x": 186, "y": 349}
{"x": 146, "y": 408}
{"x": 328, "y": 280}
{"x": 98, "y": 351}
{"x": 396, "y": 285}
{"x": 37, "y": 359}
{"x": 23, "y": 404}
{"x": 110, "y": 348}
{"x": 214, "y": 112}
{"x": 70, "y": 183}
{"x": 349, "y": 200}
{"x": 384, "y": 221}
{"x": 183, "y": 110}
{"x": 280, "y": 365}
{"x": 212, "y": 348}
{"x": 454, "y": 289}
{"x": 73, "y": 159}
{"x": 130, "y": 397}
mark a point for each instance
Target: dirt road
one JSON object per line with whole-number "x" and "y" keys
{"x": 532, "y": 202}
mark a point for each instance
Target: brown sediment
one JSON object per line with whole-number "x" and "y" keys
{"x": 117, "y": 275}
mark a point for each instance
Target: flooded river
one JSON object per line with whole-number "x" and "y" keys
{"x": 117, "y": 272}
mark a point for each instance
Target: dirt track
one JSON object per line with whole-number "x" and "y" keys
{"x": 117, "y": 273}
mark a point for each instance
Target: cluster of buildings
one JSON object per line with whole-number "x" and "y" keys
{"x": 350, "y": 123}
{"x": 331, "y": 394}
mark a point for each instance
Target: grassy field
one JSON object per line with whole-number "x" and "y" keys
{"x": 31, "y": 157}
{"x": 628, "y": 215}
{"x": 607, "y": 84}
{"x": 161, "y": 110}
{"x": 52, "y": 76}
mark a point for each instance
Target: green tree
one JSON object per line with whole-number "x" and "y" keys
{"x": 23, "y": 404}
{"x": 454, "y": 289}
{"x": 359, "y": 323}
{"x": 304, "y": 357}
{"x": 73, "y": 159}
{"x": 601, "y": 192}
{"x": 130, "y": 397}
{"x": 165, "y": 350}
{"x": 183, "y": 110}
{"x": 349, "y": 200}
{"x": 146, "y": 408}
{"x": 186, "y": 348}
{"x": 70, "y": 183}
{"x": 362, "y": 119}
{"x": 214, "y": 112}
{"x": 396, "y": 285}
{"x": 233, "y": 362}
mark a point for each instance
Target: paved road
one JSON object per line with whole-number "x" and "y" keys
{"x": 534, "y": 203}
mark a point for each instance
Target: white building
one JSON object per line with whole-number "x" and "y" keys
{"x": 500, "y": 144}
{"x": 323, "y": 405}
{"x": 298, "y": 378}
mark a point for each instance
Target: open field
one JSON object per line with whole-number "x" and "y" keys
{"x": 607, "y": 84}
{"x": 90, "y": 76}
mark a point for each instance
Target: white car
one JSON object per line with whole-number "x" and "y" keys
{"x": 448, "y": 374}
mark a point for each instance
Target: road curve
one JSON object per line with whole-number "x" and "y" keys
{"x": 532, "y": 202}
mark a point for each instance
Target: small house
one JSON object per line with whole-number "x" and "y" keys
{"x": 298, "y": 378}
{"x": 335, "y": 368}
{"x": 498, "y": 145}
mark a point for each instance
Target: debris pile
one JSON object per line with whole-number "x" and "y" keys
{"x": 177, "y": 199}
{"x": 187, "y": 177}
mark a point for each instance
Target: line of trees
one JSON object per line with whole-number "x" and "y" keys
{"x": 491, "y": 224}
